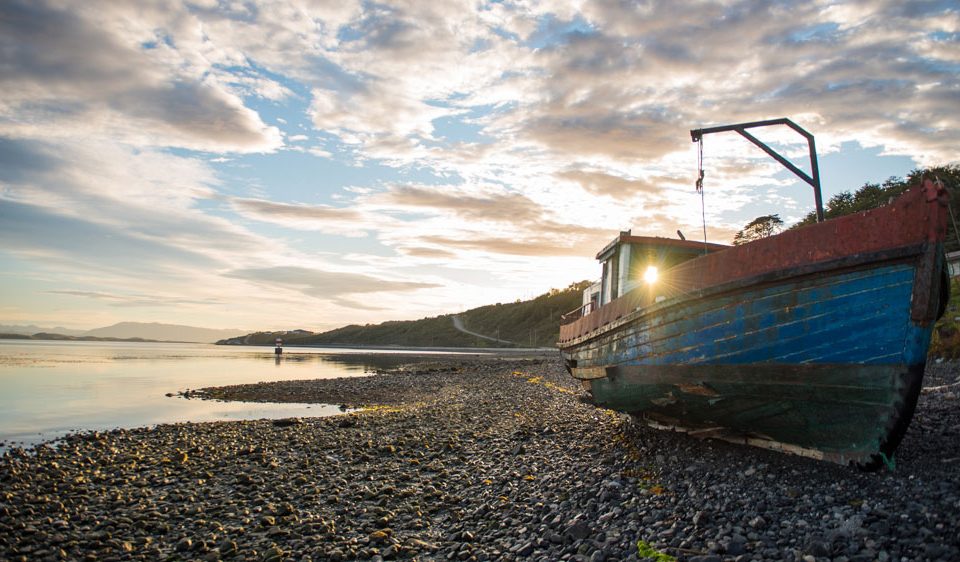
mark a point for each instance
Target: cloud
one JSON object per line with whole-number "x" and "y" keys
{"x": 504, "y": 141}
{"x": 494, "y": 207}
{"x": 42, "y": 235}
{"x": 287, "y": 37}
{"x": 629, "y": 87}
{"x": 377, "y": 111}
{"x": 613, "y": 82}
{"x": 66, "y": 74}
{"x": 130, "y": 228}
{"x": 430, "y": 253}
{"x": 399, "y": 69}
{"x": 333, "y": 285}
{"x": 600, "y": 183}
{"x": 139, "y": 193}
{"x": 323, "y": 218}
{"x": 319, "y": 152}
{"x": 257, "y": 86}
{"x": 19, "y": 161}
{"x": 454, "y": 220}
{"x": 102, "y": 220}
{"x": 538, "y": 246}
{"x": 138, "y": 300}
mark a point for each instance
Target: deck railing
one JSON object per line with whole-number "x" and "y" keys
{"x": 578, "y": 313}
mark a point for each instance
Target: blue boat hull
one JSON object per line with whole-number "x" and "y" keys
{"x": 828, "y": 365}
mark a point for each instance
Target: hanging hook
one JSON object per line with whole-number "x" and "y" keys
{"x": 699, "y": 183}
{"x": 698, "y": 138}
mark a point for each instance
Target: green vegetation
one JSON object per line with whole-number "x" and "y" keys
{"x": 644, "y": 550}
{"x": 760, "y": 227}
{"x": 15, "y": 337}
{"x": 532, "y": 323}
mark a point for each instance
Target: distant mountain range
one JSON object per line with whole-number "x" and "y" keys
{"x": 127, "y": 330}
{"x": 31, "y": 329}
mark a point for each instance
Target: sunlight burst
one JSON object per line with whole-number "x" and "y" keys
{"x": 650, "y": 275}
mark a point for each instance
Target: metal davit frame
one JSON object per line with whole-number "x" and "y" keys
{"x": 696, "y": 135}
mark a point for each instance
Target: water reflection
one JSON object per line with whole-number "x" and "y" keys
{"x": 50, "y": 388}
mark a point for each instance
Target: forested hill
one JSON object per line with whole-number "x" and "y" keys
{"x": 532, "y": 323}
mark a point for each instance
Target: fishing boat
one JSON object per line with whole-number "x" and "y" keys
{"x": 812, "y": 341}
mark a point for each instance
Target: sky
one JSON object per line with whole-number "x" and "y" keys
{"x": 279, "y": 165}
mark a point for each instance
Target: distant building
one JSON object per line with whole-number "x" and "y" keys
{"x": 953, "y": 263}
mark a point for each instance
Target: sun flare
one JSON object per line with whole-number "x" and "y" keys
{"x": 650, "y": 275}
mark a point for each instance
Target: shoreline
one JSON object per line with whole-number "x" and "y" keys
{"x": 538, "y": 351}
{"x": 471, "y": 459}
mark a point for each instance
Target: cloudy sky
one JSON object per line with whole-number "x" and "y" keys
{"x": 279, "y": 165}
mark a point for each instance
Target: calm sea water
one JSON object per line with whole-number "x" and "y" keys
{"x": 49, "y": 389}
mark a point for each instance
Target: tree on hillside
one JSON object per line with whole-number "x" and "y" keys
{"x": 760, "y": 227}
{"x": 869, "y": 196}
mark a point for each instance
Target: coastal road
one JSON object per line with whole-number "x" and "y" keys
{"x": 458, "y": 324}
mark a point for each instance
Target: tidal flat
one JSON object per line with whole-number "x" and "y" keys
{"x": 472, "y": 459}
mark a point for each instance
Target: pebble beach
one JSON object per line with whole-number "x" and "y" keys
{"x": 472, "y": 458}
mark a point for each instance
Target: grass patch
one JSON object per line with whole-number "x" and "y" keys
{"x": 646, "y": 550}
{"x": 547, "y": 384}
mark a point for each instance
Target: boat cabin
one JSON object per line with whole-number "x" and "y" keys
{"x": 631, "y": 261}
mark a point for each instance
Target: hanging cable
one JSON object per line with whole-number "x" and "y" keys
{"x": 700, "y": 165}
{"x": 703, "y": 206}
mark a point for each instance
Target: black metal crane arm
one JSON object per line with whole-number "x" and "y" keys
{"x": 696, "y": 135}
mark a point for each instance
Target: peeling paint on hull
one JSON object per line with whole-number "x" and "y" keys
{"x": 848, "y": 414}
{"x": 825, "y": 358}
